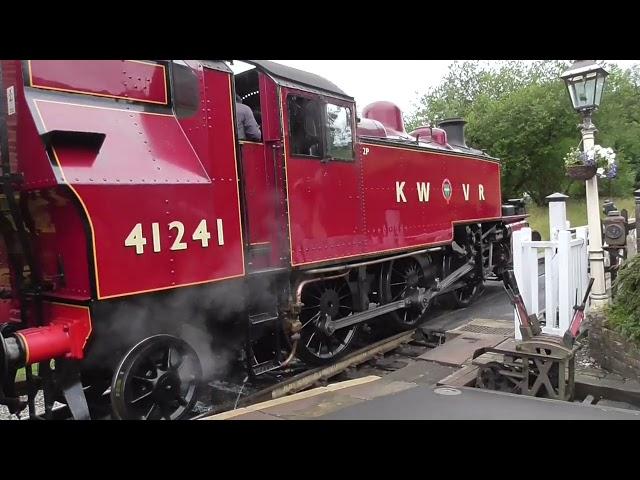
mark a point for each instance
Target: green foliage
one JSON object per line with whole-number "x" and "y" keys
{"x": 576, "y": 213}
{"x": 624, "y": 314}
{"x": 520, "y": 112}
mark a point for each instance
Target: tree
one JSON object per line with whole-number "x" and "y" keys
{"x": 520, "y": 112}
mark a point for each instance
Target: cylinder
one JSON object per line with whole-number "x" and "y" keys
{"x": 44, "y": 343}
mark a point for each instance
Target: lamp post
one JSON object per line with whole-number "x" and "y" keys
{"x": 585, "y": 82}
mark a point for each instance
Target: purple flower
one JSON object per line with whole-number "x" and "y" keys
{"x": 589, "y": 162}
{"x": 613, "y": 171}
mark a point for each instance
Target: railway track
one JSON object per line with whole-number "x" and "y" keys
{"x": 379, "y": 358}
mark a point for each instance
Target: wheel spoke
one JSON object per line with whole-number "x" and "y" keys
{"x": 400, "y": 294}
{"x": 142, "y": 379}
{"x": 169, "y": 358}
{"x": 142, "y": 397}
{"x": 320, "y": 343}
{"x": 315, "y": 317}
{"x": 150, "y": 411}
{"x": 310, "y": 338}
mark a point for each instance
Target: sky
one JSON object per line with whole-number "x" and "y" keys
{"x": 397, "y": 81}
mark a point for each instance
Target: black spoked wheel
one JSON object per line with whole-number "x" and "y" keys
{"x": 321, "y": 300}
{"x": 463, "y": 297}
{"x": 156, "y": 380}
{"x": 401, "y": 279}
{"x": 473, "y": 286}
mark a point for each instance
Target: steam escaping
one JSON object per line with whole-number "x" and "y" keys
{"x": 211, "y": 318}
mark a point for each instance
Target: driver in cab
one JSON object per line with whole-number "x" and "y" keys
{"x": 248, "y": 128}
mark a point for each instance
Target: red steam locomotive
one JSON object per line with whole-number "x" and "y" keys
{"x": 144, "y": 247}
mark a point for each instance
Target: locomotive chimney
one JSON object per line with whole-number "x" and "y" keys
{"x": 455, "y": 131}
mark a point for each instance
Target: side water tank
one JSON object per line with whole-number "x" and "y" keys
{"x": 388, "y": 114}
{"x": 431, "y": 134}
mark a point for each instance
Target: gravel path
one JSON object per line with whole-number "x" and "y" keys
{"x": 5, "y": 415}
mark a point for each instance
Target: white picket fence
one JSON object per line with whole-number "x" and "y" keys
{"x": 566, "y": 274}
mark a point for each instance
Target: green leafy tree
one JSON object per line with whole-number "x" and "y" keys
{"x": 520, "y": 112}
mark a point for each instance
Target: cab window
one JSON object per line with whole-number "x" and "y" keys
{"x": 304, "y": 126}
{"x": 318, "y": 129}
{"x": 339, "y": 134}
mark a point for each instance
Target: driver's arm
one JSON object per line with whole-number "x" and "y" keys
{"x": 251, "y": 128}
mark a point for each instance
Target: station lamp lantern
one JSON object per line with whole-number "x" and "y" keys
{"x": 585, "y": 81}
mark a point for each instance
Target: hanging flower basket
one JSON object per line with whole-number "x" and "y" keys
{"x": 594, "y": 161}
{"x": 581, "y": 172}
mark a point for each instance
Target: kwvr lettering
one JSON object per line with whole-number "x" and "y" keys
{"x": 424, "y": 192}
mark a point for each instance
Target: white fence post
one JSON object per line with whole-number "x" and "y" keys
{"x": 520, "y": 270}
{"x": 557, "y": 214}
{"x": 563, "y": 285}
{"x": 550, "y": 284}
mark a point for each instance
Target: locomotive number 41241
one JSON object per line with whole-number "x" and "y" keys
{"x": 201, "y": 234}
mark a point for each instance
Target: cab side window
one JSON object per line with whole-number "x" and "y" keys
{"x": 319, "y": 129}
{"x": 339, "y": 133}
{"x": 305, "y": 122}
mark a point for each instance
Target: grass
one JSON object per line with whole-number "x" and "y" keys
{"x": 576, "y": 213}
{"x": 21, "y": 375}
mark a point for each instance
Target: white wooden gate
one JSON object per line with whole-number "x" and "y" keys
{"x": 565, "y": 261}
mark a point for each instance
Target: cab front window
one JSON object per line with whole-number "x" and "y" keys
{"x": 339, "y": 133}
{"x": 319, "y": 129}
